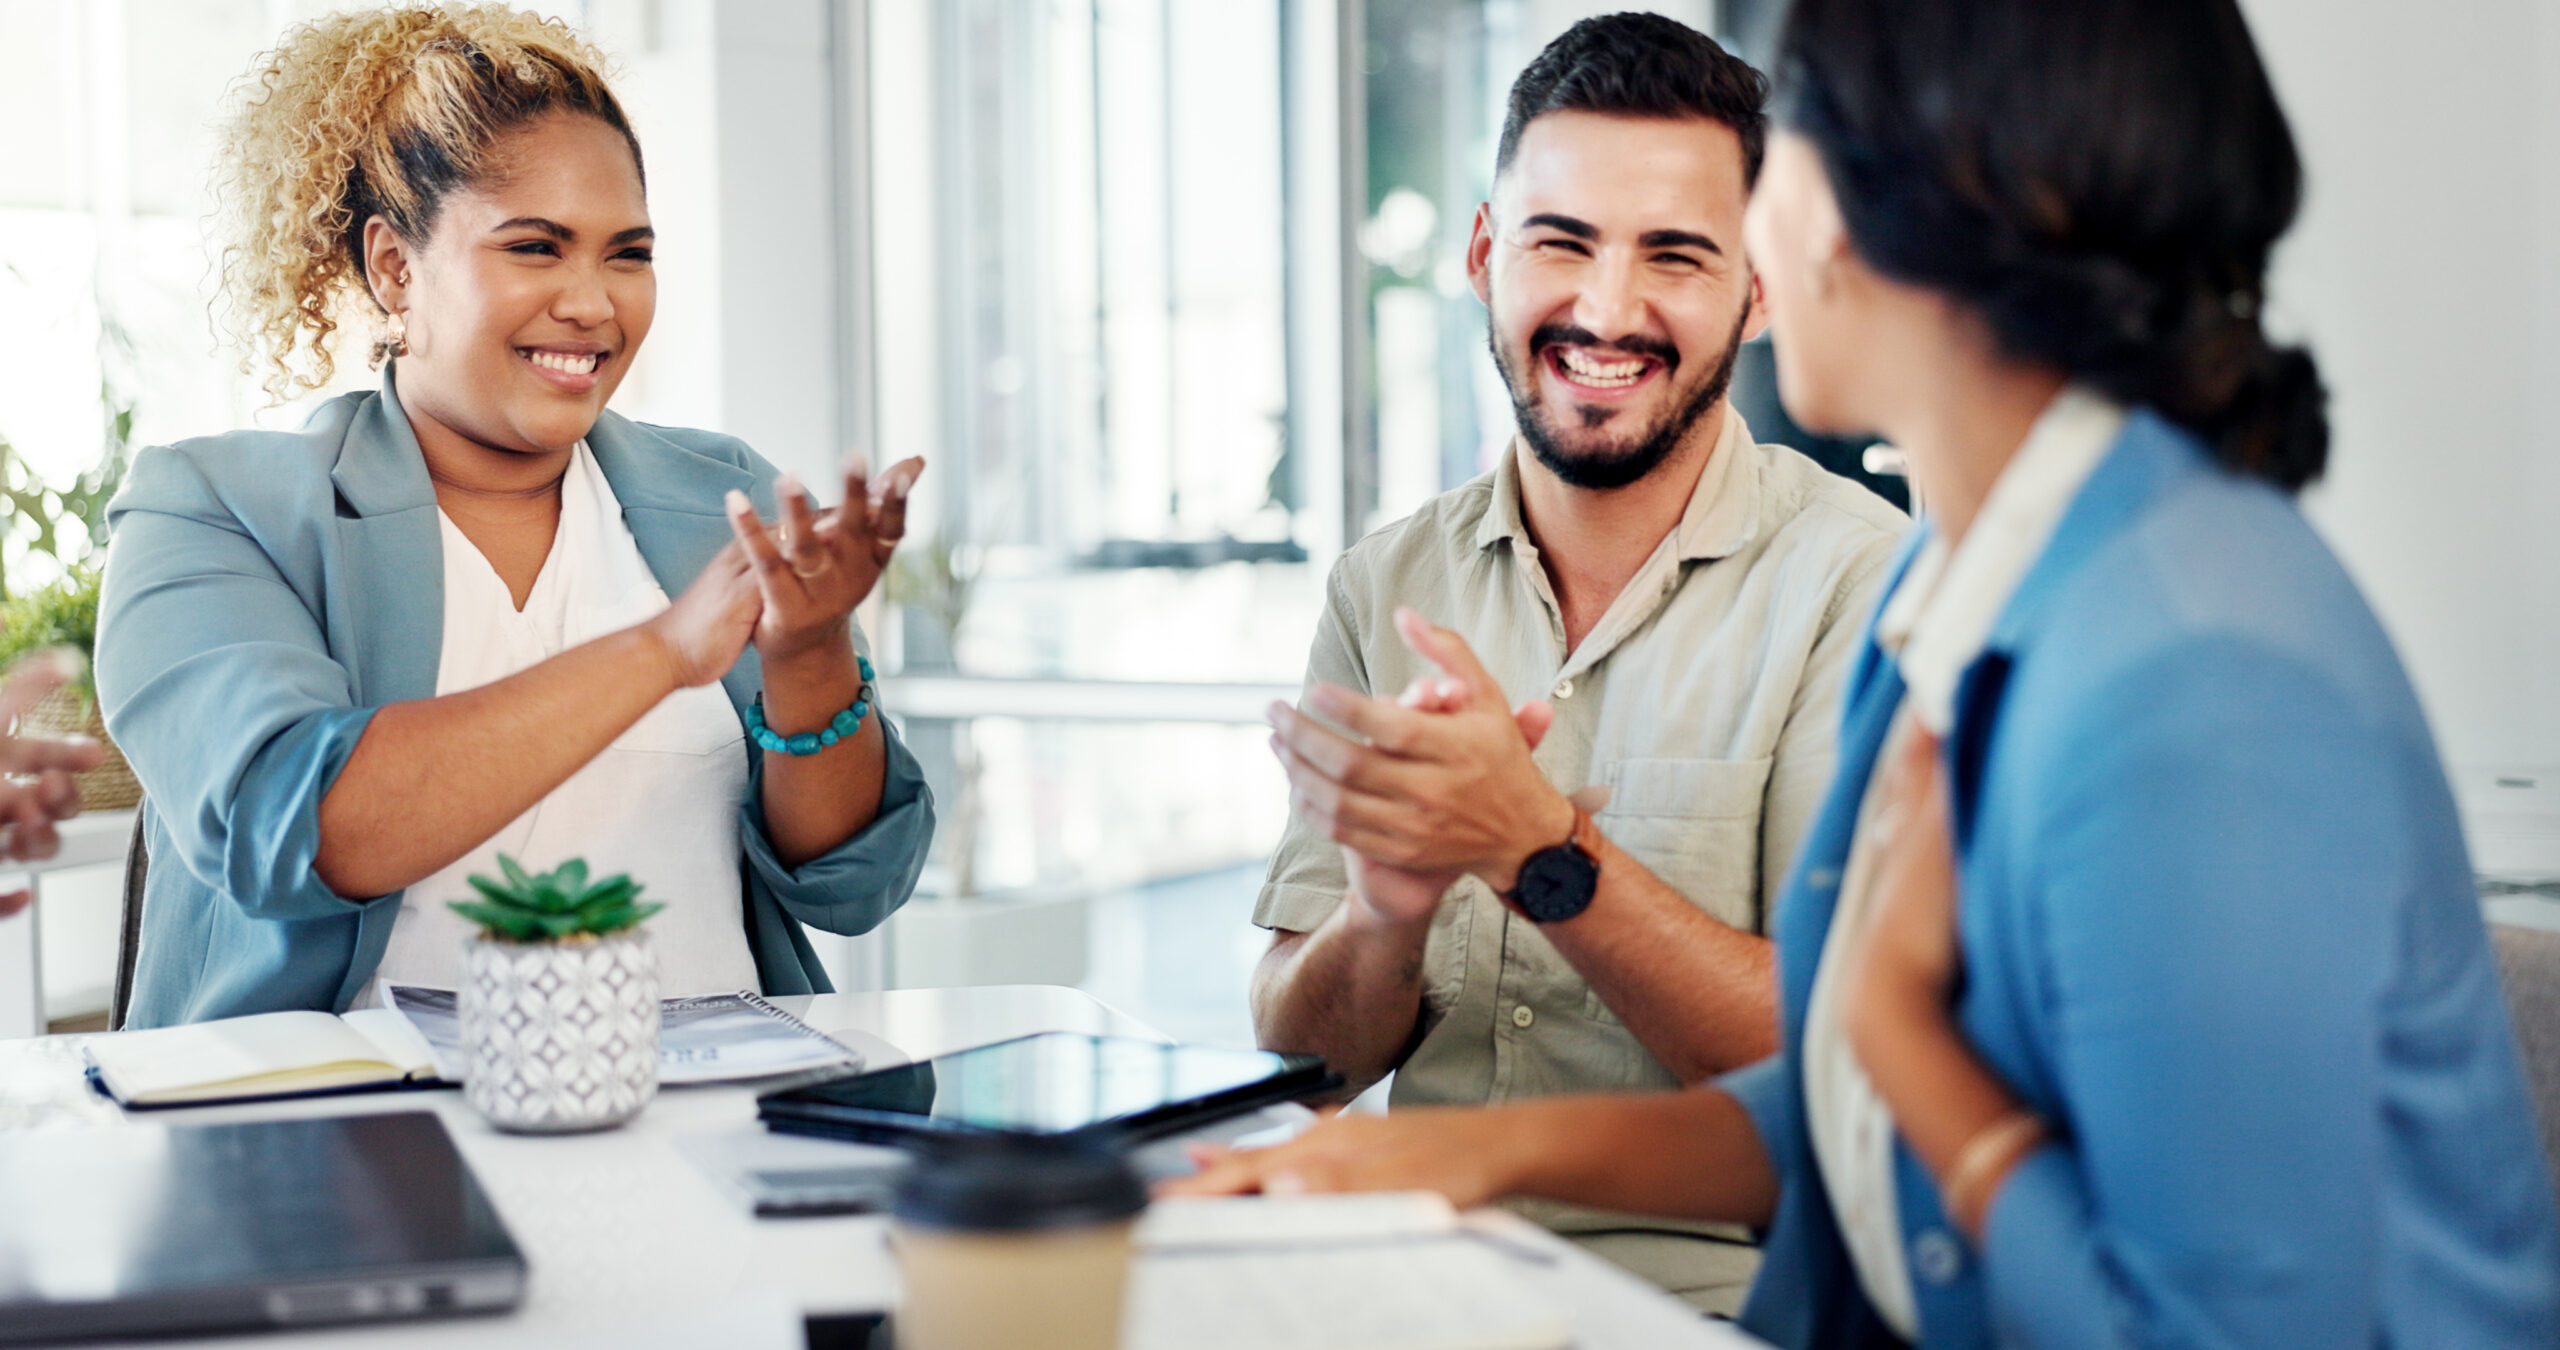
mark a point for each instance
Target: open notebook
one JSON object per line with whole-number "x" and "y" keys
{"x": 417, "y": 1042}
{"x": 279, "y": 1054}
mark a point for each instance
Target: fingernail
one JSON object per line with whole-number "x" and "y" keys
{"x": 858, "y": 465}
{"x": 1277, "y": 715}
{"x": 1284, "y": 1183}
{"x": 737, "y": 501}
{"x": 788, "y": 485}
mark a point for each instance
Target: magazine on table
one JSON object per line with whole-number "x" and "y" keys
{"x": 709, "y": 1038}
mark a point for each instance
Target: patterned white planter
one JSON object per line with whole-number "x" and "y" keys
{"x": 560, "y": 1036}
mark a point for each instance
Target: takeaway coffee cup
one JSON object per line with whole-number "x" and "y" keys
{"x": 1012, "y": 1241}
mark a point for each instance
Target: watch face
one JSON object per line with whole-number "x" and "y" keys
{"x": 1556, "y": 883}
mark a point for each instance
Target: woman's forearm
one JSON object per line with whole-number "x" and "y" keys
{"x": 433, "y": 778}
{"x": 1691, "y": 1154}
{"x": 812, "y": 803}
{"x": 1940, "y": 1093}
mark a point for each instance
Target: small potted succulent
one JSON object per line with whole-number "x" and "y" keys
{"x": 559, "y": 1000}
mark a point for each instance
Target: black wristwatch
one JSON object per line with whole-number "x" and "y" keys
{"x": 1557, "y": 882}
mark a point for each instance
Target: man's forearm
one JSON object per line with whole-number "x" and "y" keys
{"x": 1351, "y": 991}
{"x": 1700, "y": 995}
{"x": 1692, "y": 1154}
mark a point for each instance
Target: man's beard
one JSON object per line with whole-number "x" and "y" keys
{"x": 1610, "y": 467}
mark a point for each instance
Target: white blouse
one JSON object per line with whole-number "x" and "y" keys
{"x": 1933, "y": 625}
{"x": 660, "y": 803}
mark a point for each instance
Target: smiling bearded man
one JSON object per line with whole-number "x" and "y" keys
{"x": 1680, "y": 603}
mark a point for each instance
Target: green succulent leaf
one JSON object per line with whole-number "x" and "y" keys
{"x": 561, "y": 903}
{"x": 616, "y": 919}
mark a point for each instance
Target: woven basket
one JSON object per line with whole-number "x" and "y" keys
{"x": 109, "y": 787}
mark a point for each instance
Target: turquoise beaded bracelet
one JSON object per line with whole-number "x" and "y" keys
{"x": 843, "y": 724}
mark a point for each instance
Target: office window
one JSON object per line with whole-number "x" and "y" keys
{"x": 1080, "y": 317}
{"x": 1079, "y": 314}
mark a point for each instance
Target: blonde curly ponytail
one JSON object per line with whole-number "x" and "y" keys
{"x": 358, "y": 115}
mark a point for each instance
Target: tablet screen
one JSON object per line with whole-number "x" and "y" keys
{"x": 1054, "y": 1082}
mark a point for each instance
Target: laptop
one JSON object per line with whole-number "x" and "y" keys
{"x": 1120, "y": 1089}
{"x": 142, "y": 1230}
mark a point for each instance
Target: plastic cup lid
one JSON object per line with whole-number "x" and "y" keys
{"x": 1015, "y": 1183}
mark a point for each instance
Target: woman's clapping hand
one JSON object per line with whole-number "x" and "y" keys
{"x": 705, "y": 628}
{"x": 815, "y": 566}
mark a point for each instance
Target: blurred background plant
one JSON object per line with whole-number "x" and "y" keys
{"x": 53, "y": 539}
{"x": 61, "y": 614}
{"x": 35, "y": 545}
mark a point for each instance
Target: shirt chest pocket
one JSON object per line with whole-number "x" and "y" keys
{"x": 1695, "y": 823}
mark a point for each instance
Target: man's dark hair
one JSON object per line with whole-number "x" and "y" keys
{"x": 1640, "y": 65}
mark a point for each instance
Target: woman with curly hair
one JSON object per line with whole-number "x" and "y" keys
{"x": 353, "y": 663}
{"x": 2134, "y": 989}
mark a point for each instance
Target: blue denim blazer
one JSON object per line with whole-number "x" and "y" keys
{"x": 267, "y": 591}
{"x": 2219, "y": 929}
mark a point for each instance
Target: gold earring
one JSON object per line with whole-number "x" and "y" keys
{"x": 393, "y": 342}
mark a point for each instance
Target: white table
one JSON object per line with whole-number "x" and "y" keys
{"x": 630, "y": 1243}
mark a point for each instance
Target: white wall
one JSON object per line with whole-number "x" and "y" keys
{"x": 2426, "y": 274}
{"x": 733, "y": 105}
{"x": 778, "y": 246}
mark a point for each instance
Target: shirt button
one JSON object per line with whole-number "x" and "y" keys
{"x": 1564, "y": 689}
{"x": 1521, "y": 1017}
{"x": 1936, "y": 1257}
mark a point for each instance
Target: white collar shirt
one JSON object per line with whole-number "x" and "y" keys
{"x": 1934, "y": 625}
{"x": 660, "y": 803}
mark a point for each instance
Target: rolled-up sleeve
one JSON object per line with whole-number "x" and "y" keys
{"x": 219, "y": 687}
{"x": 854, "y": 886}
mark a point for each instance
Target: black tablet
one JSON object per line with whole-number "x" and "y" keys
{"x": 1054, "y": 1083}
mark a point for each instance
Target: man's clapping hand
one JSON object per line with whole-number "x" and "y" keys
{"x": 1443, "y": 786}
{"x": 38, "y": 789}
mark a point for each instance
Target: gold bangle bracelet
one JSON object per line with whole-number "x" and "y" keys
{"x": 1981, "y": 1159}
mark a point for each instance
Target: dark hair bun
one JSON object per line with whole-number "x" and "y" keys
{"x": 2103, "y": 181}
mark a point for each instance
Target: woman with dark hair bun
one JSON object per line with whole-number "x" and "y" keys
{"x": 2134, "y": 986}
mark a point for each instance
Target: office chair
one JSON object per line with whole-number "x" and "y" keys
{"x": 137, "y": 867}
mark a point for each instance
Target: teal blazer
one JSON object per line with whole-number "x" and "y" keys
{"x": 266, "y": 591}
{"x": 2219, "y": 930}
